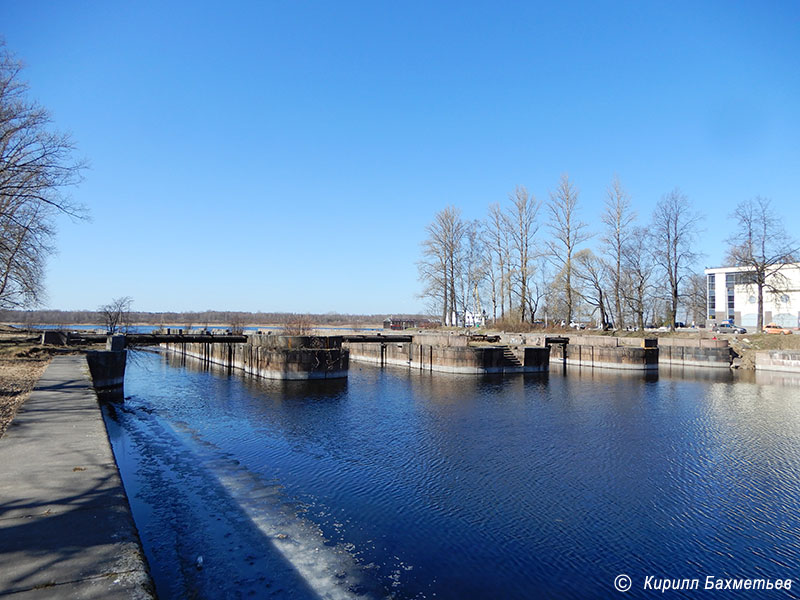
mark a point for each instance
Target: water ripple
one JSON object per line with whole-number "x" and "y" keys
{"x": 465, "y": 487}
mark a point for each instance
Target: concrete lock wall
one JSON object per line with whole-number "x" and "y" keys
{"x": 695, "y": 356}
{"x": 293, "y": 342}
{"x": 778, "y": 360}
{"x": 695, "y": 352}
{"x": 693, "y": 342}
{"x": 281, "y": 357}
{"x": 609, "y": 357}
{"x": 455, "y": 358}
{"x": 107, "y": 369}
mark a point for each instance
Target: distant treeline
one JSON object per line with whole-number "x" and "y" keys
{"x": 187, "y": 319}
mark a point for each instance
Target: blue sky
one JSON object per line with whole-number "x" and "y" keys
{"x": 287, "y": 156}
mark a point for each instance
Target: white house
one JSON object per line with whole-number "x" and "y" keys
{"x": 732, "y": 295}
{"x": 474, "y": 319}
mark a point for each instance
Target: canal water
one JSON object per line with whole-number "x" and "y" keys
{"x": 401, "y": 484}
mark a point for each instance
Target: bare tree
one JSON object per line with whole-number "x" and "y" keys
{"x": 473, "y": 266}
{"x": 116, "y": 314}
{"x": 537, "y": 291}
{"x": 440, "y": 265}
{"x": 696, "y": 298}
{"x": 638, "y": 267}
{"x": 520, "y": 222}
{"x": 761, "y": 247}
{"x": 36, "y": 170}
{"x": 497, "y": 243}
{"x": 593, "y": 274}
{"x": 298, "y": 325}
{"x": 237, "y": 324}
{"x": 674, "y": 230}
{"x": 568, "y": 233}
{"x": 618, "y": 218}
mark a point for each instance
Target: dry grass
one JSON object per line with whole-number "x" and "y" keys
{"x": 22, "y": 361}
{"x": 18, "y": 375}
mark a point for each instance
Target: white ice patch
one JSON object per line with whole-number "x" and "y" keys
{"x": 331, "y": 571}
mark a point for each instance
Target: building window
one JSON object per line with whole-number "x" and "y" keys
{"x": 712, "y": 297}
{"x": 746, "y": 278}
{"x": 730, "y": 283}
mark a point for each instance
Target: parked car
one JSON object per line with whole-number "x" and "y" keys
{"x": 728, "y": 328}
{"x": 775, "y": 328}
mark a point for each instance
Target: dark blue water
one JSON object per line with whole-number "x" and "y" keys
{"x": 408, "y": 485}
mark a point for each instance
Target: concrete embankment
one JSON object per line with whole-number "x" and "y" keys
{"x": 787, "y": 361}
{"x": 694, "y": 352}
{"x": 452, "y": 354}
{"x": 457, "y": 353}
{"x": 274, "y": 356}
{"x": 608, "y": 357}
{"x": 66, "y": 529}
{"x": 613, "y": 352}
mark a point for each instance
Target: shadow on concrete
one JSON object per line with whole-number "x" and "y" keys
{"x": 66, "y": 539}
{"x": 65, "y": 523}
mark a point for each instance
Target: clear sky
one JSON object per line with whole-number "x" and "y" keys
{"x": 287, "y": 156}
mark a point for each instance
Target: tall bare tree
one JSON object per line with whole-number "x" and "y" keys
{"x": 762, "y": 247}
{"x": 440, "y": 265}
{"x": 568, "y": 233}
{"x": 37, "y": 169}
{"x": 473, "y": 266}
{"x": 520, "y": 222}
{"x": 674, "y": 232}
{"x": 638, "y": 267}
{"x": 497, "y": 242}
{"x": 618, "y": 218}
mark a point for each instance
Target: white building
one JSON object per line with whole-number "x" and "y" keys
{"x": 732, "y": 295}
{"x": 473, "y": 319}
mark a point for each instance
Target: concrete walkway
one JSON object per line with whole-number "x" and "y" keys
{"x": 66, "y": 529}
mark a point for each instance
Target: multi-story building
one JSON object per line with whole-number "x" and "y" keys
{"x": 732, "y": 295}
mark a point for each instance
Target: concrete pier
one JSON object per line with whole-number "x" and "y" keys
{"x": 66, "y": 529}
{"x": 275, "y": 356}
{"x": 452, "y": 354}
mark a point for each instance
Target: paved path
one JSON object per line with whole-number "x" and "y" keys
{"x": 66, "y": 529}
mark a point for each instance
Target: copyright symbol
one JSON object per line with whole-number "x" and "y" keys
{"x": 622, "y": 583}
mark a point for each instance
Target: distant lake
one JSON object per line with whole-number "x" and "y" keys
{"x": 403, "y": 484}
